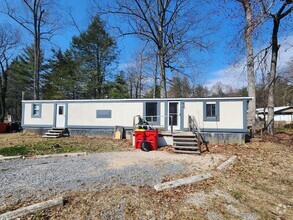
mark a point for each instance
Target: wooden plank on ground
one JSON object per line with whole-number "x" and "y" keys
{"x": 227, "y": 163}
{"x": 32, "y": 208}
{"x": 183, "y": 181}
{"x": 61, "y": 155}
{"x": 11, "y": 157}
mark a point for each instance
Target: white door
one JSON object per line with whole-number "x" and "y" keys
{"x": 60, "y": 116}
{"x": 174, "y": 115}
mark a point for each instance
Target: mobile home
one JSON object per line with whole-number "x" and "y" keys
{"x": 220, "y": 119}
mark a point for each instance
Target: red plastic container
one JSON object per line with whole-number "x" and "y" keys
{"x": 139, "y": 137}
{"x": 152, "y": 138}
{"x": 3, "y": 127}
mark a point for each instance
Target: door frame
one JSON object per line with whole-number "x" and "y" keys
{"x": 65, "y": 114}
{"x": 178, "y": 126}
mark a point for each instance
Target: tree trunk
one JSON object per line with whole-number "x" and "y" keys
{"x": 3, "y": 90}
{"x": 163, "y": 84}
{"x": 155, "y": 78}
{"x": 37, "y": 51}
{"x": 37, "y": 68}
{"x": 250, "y": 62}
{"x": 272, "y": 77}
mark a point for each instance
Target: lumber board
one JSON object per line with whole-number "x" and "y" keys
{"x": 183, "y": 181}
{"x": 32, "y": 209}
{"x": 61, "y": 155}
{"x": 11, "y": 157}
{"x": 227, "y": 163}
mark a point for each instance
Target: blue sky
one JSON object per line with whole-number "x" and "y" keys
{"x": 213, "y": 63}
{"x": 214, "y": 58}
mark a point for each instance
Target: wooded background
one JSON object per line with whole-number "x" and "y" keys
{"x": 171, "y": 33}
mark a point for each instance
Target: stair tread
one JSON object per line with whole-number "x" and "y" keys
{"x": 187, "y": 147}
{"x": 48, "y": 136}
{"x": 185, "y": 138}
{"x": 56, "y": 131}
{"x": 187, "y": 152}
{"x": 185, "y": 142}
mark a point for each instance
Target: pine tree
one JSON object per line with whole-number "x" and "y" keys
{"x": 96, "y": 50}
{"x": 20, "y": 80}
{"x": 64, "y": 79}
{"x": 118, "y": 89}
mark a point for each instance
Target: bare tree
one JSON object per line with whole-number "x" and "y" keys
{"x": 248, "y": 35}
{"x": 170, "y": 25}
{"x": 35, "y": 16}
{"x": 138, "y": 73}
{"x": 9, "y": 38}
{"x": 285, "y": 9}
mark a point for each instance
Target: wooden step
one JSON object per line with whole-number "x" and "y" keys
{"x": 56, "y": 131}
{"x": 185, "y": 138}
{"x": 187, "y": 151}
{"x": 186, "y": 147}
{"x": 49, "y": 136}
{"x": 184, "y": 143}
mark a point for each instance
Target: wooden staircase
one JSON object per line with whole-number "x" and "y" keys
{"x": 57, "y": 133}
{"x": 189, "y": 142}
{"x": 186, "y": 142}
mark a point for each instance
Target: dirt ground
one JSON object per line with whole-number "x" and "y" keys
{"x": 258, "y": 185}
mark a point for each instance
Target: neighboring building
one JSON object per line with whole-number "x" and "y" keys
{"x": 281, "y": 114}
{"x": 220, "y": 119}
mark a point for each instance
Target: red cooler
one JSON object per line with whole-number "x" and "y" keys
{"x": 139, "y": 137}
{"x": 152, "y": 138}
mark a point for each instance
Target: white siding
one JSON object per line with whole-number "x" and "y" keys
{"x": 162, "y": 114}
{"x": 47, "y": 113}
{"x": 84, "y": 114}
{"x": 231, "y": 115}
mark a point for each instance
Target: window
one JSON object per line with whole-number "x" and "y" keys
{"x": 60, "y": 110}
{"x": 211, "y": 111}
{"x": 103, "y": 114}
{"x": 151, "y": 112}
{"x": 36, "y": 110}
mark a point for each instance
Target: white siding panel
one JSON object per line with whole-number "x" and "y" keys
{"x": 162, "y": 114}
{"x": 84, "y": 114}
{"x": 47, "y": 114}
{"x": 193, "y": 109}
{"x": 231, "y": 116}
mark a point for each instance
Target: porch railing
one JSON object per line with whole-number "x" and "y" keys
{"x": 193, "y": 127}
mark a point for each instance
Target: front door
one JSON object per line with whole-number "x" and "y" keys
{"x": 60, "y": 116}
{"x": 174, "y": 115}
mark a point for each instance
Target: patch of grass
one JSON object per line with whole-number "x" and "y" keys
{"x": 29, "y": 145}
{"x": 14, "y": 150}
{"x": 236, "y": 195}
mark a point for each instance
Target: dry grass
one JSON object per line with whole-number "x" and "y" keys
{"x": 260, "y": 180}
{"x": 30, "y": 144}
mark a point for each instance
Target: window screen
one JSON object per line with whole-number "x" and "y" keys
{"x": 36, "y": 109}
{"x": 152, "y": 111}
{"x": 211, "y": 110}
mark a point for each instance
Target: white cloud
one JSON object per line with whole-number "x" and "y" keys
{"x": 236, "y": 75}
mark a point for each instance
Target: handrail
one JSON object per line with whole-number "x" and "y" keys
{"x": 193, "y": 126}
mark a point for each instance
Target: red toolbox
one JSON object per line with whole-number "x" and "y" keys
{"x": 152, "y": 138}
{"x": 140, "y": 136}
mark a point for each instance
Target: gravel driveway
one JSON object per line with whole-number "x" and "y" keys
{"x": 37, "y": 178}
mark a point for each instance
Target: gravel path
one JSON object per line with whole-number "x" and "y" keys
{"x": 37, "y": 178}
